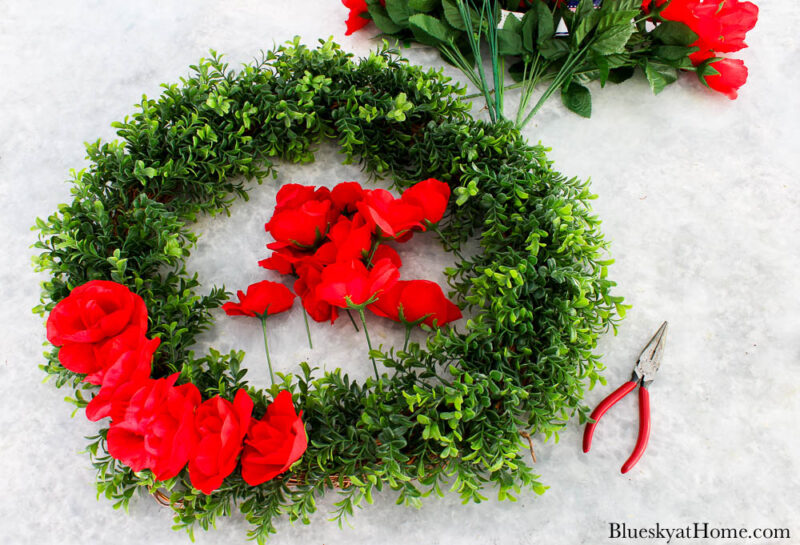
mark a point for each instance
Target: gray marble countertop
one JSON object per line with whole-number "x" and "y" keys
{"x": 696, "y": 193}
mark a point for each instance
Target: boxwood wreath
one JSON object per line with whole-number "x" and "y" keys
{"x": 455, "y": 412}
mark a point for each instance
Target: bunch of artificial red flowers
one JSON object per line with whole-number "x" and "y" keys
{"x": 720, "y": 26}
{"x": 101, "y": 331}
{"x": 335, "y": 243}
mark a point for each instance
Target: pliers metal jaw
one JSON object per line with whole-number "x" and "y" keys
{"x": 643, "y": 374}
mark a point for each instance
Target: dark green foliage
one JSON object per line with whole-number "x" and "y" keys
{"x": 445, "y": 414}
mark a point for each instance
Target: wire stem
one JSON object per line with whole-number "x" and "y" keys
{"x": 352, "y": 321}
{"x": 266, "y": 348}
{"x": 308, "y": 331}
{"x": 369, "y": 344}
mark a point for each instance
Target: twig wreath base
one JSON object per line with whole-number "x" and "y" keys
{"x": 447, "y": 414}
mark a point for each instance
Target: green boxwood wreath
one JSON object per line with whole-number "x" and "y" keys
{"x": 451, "y": 413}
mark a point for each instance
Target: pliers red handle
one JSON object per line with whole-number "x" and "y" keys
{"x": 643, "y": 374}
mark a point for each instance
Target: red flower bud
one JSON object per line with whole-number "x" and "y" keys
{"x": 417, "y": 299}
{"x": 263, "y": 298}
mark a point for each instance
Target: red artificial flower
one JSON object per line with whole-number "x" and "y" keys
{"x": 390, "y": 217}
{"x": 346, "y": 195}
{"x": 306, "y": 288}
{"x": 273, "y": 443}
{"x": 722, "y": 24}
{"x": 352, "y": 238}
{"x": 129, "y": 371}
{"x": 221, "y": 427}
{"x": 732, "y": 75}
{"x": 431, "y": 196}
{"x": 384, "y": 251}
{"x": 157, "y": 430}
{"x": 293, "y": 196}
{"x": 94, "y": 312}
{"x": 92, "y": 359}
{"x": 418, "y": 299}
{"x": 351, "y": 281}
{"x": 263, "y": 299}
{"x": 301, "y": 227}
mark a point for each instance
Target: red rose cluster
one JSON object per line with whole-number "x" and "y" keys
{"x": 335, "y": 243}
{"x": 721, "y": 26}
{"x": 101, "y": 329}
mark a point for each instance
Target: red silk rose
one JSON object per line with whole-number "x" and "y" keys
{"x": 92, "y": 359}
{"x": 127, "y": 373}
{"x": 302, "y": 227}
{"x": 431, "y": 196}
{"x": 352, "y": 238}
{"x": 732, "y": 75}
{"x": 157, "y": 429}
{"x": 273, "y": 443}
{"x": 306, "y": 288}
{"x": 221, "y": 427}
{"x": 385, "y": 251}
{"x": 417, "y": 300}
{"x": 351, "y": 281}
{"x": 346, "y": 195}
{"x": 390, "y": 217}
{"x": 263, "y": 298}
{"x": 93, "y": 313}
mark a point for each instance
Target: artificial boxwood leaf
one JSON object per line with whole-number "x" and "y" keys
{"x": 674, "y": 33}
{"x": 429, "y": 30}
{"x": 508, "y": 42}
{"x": 398, "y": 11}
{"x": 659, "y": 75}
{"x": 423, "y": 5}
{"x": 613, "y": 39}
{"x": 577, "y": 98}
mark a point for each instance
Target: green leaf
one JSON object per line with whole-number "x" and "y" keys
{"x": 398, "y": 11}
{"x": 451, "y": 14}
{"x": 674, "y": 33}
{"x": 513, "y": 24}
{"x": 603, "y": 68}
{"x": 509, "y": 42}
{"x": 673, "y": 52}
{"x": 553, "y": 49}
{"x": 423, "y": 5}
{"x": 578, "y": 99}
{"x": 618, "y": 75}
{"x": 584, "y": 27}
{"x": 382, "y": 20}
{"x": 613, "y": 18}
{"x": 546, "y": 27}
{"x": 529, "y": 30}
{"x": 429, "y": 30}
{"x": 659, "y": 75}
{"x": 613, "y": 39}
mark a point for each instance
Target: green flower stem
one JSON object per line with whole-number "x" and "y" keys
{"x": 369, "y": 344}
{"x": 308, "y": 331}
{"x": 352, "y": 321}
{"x": 266, "y": 348}
{"x": 408, "y": 334}
{"x": 372, "y": 253}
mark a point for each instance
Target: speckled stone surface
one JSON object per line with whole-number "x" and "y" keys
{"x": 698, "y": 194}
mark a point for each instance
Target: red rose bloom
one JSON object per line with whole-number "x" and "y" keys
{"x": 302, "y": 227}
{"x": 221, "y": 427}
{"x": 306, "y": 288}
{"x": 355, "y": 21}
{"x": 129, "y": 371}
{"x": 92, "y": 359}
{"x": 157, "y": 429}
{"x": 273, "y": 443}
{"x": 732, "y": 75}
{"x": 94, "y": 312}
{"x": 431, "y": 196}
{"x": 292, "y": 196}
{"x": 352, "y": 238}
{"x": 263, "y": 298}
{"x": 418, "y": 299}
{"x": 385, "y": 251}
{"x": 390, "y": 217}
{"x": 346, "y": 195}
{"x": 351, "y": 281}
{"x": 721, "y": 25}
